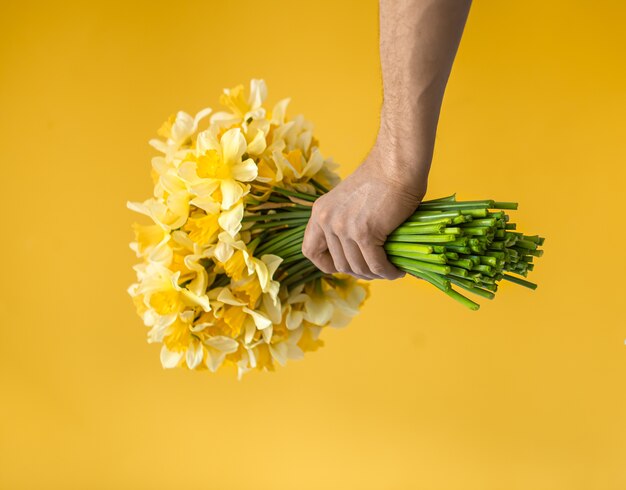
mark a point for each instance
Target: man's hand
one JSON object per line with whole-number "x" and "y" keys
{"x": 350, "y": 224}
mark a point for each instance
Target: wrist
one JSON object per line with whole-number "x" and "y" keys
{"x": 403, "y": 153}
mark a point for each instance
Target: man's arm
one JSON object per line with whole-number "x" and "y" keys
{"x": 349, "y": 225}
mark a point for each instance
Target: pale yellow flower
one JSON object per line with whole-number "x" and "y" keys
{"x": 183, "y": 344}
{"x": 222, "y": 161}
{"x": 177, "y": 132}
{"x": 241, "y": 109}
{"x": 159, "y": 289}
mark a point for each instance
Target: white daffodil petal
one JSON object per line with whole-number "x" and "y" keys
{"x": 245, "y": 171}
{"x": 294, "y": 352}
{"x": 230, "y": 220}
{"x": 187, "y": 316}
{"x": 318, "y": 311}
{"x": 223, "y": 344}
{"x": 293, "y": 319}
{"x": 249, "y": 330}
{"x": 170, "y": 359}
{"x": 201, "y": 115}
{"x": 267, "y": 334}
{"x": 159, "y": 145}
{"x": 214, "y": 359}
{"x": 223, "y": 249}
{"x": 272, "y": 308}
{"x": 260, "y": 320}
{"x": 261, "y": 272}
{"x": 194, "y": 355}
{"x": 233, "y": 146}
{"x": 257, "y": 145}
{"x": 231, "y": 192}
{"x": 207, "y": 140}
{"x": 206, "y": 203}
{"x": 279, "y": 112}
{"x": 200, "y": 300}
{"x": 272, "y": 262}
{"x": 251, "y": 357}
{"x": 226, "y": 296}
{"x": 199, "y": 327}
{"x": 279, "y": 352}
{"x": 258, "y": 93}
{"x": 182, "y": 127}
{"x": 314, "y": 164}
{"x": 138, "y": 207}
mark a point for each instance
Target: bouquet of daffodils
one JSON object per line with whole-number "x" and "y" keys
{"x": 222, "y": 279}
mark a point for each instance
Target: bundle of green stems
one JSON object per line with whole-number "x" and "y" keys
{"x": 468, "y": 244}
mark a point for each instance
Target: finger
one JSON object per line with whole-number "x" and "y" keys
{"x": 315, "y": 249}
{"x": 379, "y": 264}
{"x": 356, "y": 260}
{"x": 339, "y": 257}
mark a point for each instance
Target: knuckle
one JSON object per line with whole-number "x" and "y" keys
{"x": 338, "y": 228}
{"x": 318, "y": 206}
{"x": 310, "y": 250}
{"x": 360, "y": 234}
{"x": 307, "y": 248}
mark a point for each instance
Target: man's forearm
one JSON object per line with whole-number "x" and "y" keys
{"x": 348, "y": 228}
{"x": 418, "y": 43}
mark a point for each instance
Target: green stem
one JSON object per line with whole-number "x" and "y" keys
{"x": 504, "y": 205}
{"x": 473, "y": 289}
{"x": 418, "y": 230}
{"x": 280, "y": 238}
{"x": 306, "y": 197}
{"x": 445, "y": 206}
{"x": 285, "y": 223}
{"x": 419, "y": 265}
{"x": 277, "y": 216}
{"x": 408, "y": 247}
{"x": 432, "y": 258}
{"x": 463, "y": 300}
{"x": 521, "y": 282}
{"x": 305, "y": 279}
{"x": 402, "y": 237}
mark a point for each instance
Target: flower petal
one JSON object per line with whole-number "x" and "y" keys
{"x": 233, "y": 146}
{"x": 318, "y": 311}
{"x": 230, "y": 220}
{"x": 223, "y": 344}
{"x": 279, "y": 111}
{"x": 194, "y": 355}
{"x": 214, "y": 359}
{"x": 257, "y": 145}
{"x": 231, "y": 192}
{"x": 279, "y": 352}
{"x": 226, "y": 296}
{"x": 206, "y": 141}
{"x": 260, "y": 320}
{"x": 258, "y": 93}
{"x": 170, "y": 359}
{"x": 206, "y": 203}
{"x": 200, "y": 116}
{"x": 272, "y": 262}
{"x": 245, "y": 171}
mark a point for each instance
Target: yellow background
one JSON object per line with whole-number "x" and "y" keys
{"x": 417, "y": 393}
